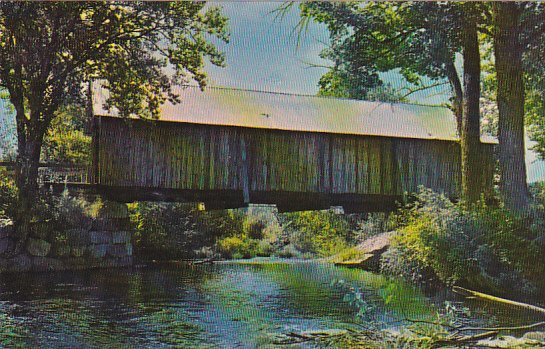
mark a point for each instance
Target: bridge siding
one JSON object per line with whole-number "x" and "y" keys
{"x": 133, "y": 153}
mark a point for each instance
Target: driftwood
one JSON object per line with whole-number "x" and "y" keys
{"x": 464, "y": 339}
{"x": 466, "y": 292}
{"x": 202, "y": 261}
{"x": 506, "y": 328}
{"x": 455, "y": 338}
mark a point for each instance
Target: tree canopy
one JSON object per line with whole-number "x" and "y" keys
{"x": 367, "y": 38}
{"x": 138, "y": 50}
{"x": 422, "y": 39}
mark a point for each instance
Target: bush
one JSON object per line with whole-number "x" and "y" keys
{"x": 248, "y": 243}
{"x": 254, "y": 227}
{"x": 289, "y": 251}
{"x": 485, "y": 247}
{"x": 66, "y": 140}
{"x": 8, "y": 195}
{"x": 178, "y": 230}
{"x": 372, "y": 224}
{"x": 350, "y": 254}
{"x": 68, "y": 211}
{"x": 322, "y": 233}
{"x": 234, "y": 247}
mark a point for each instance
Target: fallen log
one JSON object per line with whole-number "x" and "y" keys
{"x": 466, "y": 292}
{"x": 505, "y": 328}
{"x": 464, "y": 339}
{"x": 202, "y": 261}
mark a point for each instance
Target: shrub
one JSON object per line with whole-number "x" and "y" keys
{"x": 8, "y": 195}
{"x": 242, "y": 246}
{"x": 320, "y": 232}
{"x": 373, "y": 224}
{"x": 254, "y": 227}
{"x": 486, "y": 247}
{"x": 234, "y": 247}
{"x": 68, "y": 211}
{"x": 349, "y": 254}
{"x": 289, "y": 251}
{"x": 264, "y": 249}
{"x": 178, "y": 230}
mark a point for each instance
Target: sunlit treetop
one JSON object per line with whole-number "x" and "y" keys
{"x": 139, "y": 50}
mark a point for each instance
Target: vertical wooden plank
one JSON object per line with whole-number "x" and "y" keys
{"x": 254, "y": 149}
{"x": 244, "y": 170}
{"x": 171, "y": 159}
{"x": 334, "y": 164}
{"x": 386, "y": 167}
{"x": 401, "y": 167}
{"x": 211, "y": 165}
{"x": 374, "y": 166}
{"x": 365, "y": 168}
{"x": 412, "y": 166}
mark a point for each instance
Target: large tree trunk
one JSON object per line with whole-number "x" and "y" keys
{"x": 30, "y": 135}
{"x": 26, "y": 173}
{"x": 510, "y": 98}
{"x": 457, "y": 94}
{"x": 470, "y": 139}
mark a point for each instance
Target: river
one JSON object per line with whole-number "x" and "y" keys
{"x": 224, "y": 305}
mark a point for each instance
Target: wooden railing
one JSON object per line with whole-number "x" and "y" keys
{"x": 57, "y": 173}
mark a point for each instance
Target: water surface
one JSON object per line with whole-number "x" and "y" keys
{"x": 226, "y": 305}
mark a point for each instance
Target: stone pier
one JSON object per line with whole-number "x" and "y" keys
{"x": 104, "y": 242}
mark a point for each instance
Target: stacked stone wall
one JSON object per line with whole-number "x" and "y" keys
{"x": 104, "y": 242}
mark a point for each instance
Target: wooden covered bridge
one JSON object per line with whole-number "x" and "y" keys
{"x": 229, "y": 147}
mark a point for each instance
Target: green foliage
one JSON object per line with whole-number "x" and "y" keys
{"x": 247, "y": 243}
{"x": 128, "y": 45}
{"x": 66, "y": 141}
{"x": 350, "y": 254}
{"x": 366, "y": 38}
{"x": 485, "y": 247}
{"x": 67, "y": 211}
{"x": 8, "y": 195}
{"x": 355, "y": 297}
{"x": 323, "y": 233}
{"x": 138, "y": 51}
{"x": 342, "y": 85}
{"x": 254, "y": 228}
{"x": 240, "y": 246}
{"x": 535, "y": 118}
{"x": 372, "y": 224}
{"x": 289, "y": 251}
{"x": 175, "y": 230}
{"x": 535, "y": 93}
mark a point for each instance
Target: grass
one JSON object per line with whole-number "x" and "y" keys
{"x": 351, "y": 254}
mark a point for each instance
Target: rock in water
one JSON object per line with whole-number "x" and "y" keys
{"x": 372, "y": 250}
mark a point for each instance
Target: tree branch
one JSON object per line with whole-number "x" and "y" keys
{"x": 423, "y": 88}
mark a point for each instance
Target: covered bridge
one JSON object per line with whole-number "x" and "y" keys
{"x": 229, "y": 147}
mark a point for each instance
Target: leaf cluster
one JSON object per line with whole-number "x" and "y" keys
{"x": 138, "y": 49}
{"x": 366, "y": 38}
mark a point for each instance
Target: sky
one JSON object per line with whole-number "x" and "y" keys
{"x": 264, "y": 54}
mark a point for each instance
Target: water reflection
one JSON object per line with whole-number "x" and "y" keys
{"x": 223, "y": 305}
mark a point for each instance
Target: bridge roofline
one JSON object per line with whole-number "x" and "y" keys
{"x": 235, "y": 107}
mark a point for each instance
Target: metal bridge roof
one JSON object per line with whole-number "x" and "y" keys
{"x": 280, "y": 111}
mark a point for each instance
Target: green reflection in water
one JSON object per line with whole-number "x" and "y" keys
{"x": 225, "y": 305}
